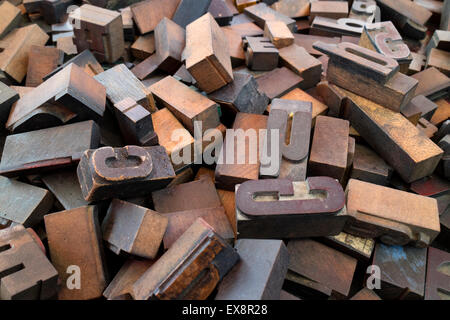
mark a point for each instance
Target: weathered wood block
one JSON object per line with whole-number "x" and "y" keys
{"x": 437, "y": 283}
{"x": 329, "y": 9}
{"x": 260, "y": 54}
{"x": 278, "y": 33}
{"x": 207, "y": 54}
{"x": 439, "y": 59}
{"x": 370, "y": 167}
{"x": 170, "y": 40}
{"x": 262, "y": 13}
{"x": 328, "y": 27}
{"x": 419, "y": 106}
{"x": 364, "y": 10}
{"x": 11, "y": 18}
{"x": 8, "y": 96}
{"x": 189, "y": 11}
{"x": 42, "y": 61}
{"x": 292, "y": 8}
{"x": 278, "y": 82}
{"x": 84, "y": 60}
{"x": 144, "y": 46}
{"x": 356, "y": 247}
{"x": 147, "y": 14}
{"x": 433, "y": 84}
{"x": 74, "y": 239}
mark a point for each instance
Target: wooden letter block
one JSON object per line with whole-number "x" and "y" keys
{"x": 433, "y": 84}
{"x": 402, "y": 271}
{"x": 370, "y": 167}
{"x": 128, "y": 228}
{"x": 420, "y": 106}
{"x": 121, "y": 83}
{"x": 101, "y": 31}
{"x": 280, "y": 208}
{"x": 189, "y": 11}
{"x": 42, "y": 61}
{"x": 25, "y": 272}
{"x": 382, "y": 37}
{"x": 329, "y": 9}
{"x": 322, "y": 264}
{"x": 221, "y": 12}
{"x": 366, "y": 295}
{"x": 445, "y": 16}
{"x": 397, "y": 217}
{"x": 241, "y": 95}
{"x": 84, "y": 60}
{"x": 30, "y": 152}
{"x": 260, "y": 54}
{"x": 329, "y": 148}
{"x": 11, "y": 17}
{"x": 52, "y": 11}
{"x": 278, "y": 33}
{"x": 144, "y": 46}
{"x": 301, "y": 62}
{"x": 293, "y": 121}
{"x": 242, "y": 4}
{"x": 369, "y": 74}
{"x": 71, "y": 87}
{"x": 190, "y": 269}
{"x": 440, "y": 60}
{"x": 328, "y": 27}
{"x": 135, "y": 123}
{"x": 147, "y": 14}
{"x": 244, "y": 145}
{"x": 130, "y": 171}
{"x": 260, "y": 273}
{"x": 207, "y": 54}
{"x": 262, "y": 13}
{"x": 292, "y": 8}
{"x": 363, "y": 10}
{"x": 278, "y": 82}
{"x": 74, "y": 239}
{"x": 415, "y": 155}
{"x": 318, "y": 107}
{"x": 437, "y": 284}
{"x": 23, "y": 203}
{"x": 8, "y": 96}
{"x": 170, "y": 40}
{"x": 14, "y": 58}
{"x": 187, "y": 105}
{"x": 306, "y": 41}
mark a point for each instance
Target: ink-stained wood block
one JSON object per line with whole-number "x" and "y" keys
{"x": 301, "y": 62}
{"x": 248, "y": 29}
{"x": 189, "y": 11}
{"x": 121, "y": 285}
{"x": 370, "y": 167}
{"x": 356, "y": 247}
{"x": 135, "y": 123}
{"x": 373, "y": 75}
{"x": 366, "y": 295}
{"x": 191, "y": 268}
{"x": 328, "y": 27}
{"x": 187, "y": 105}
{"x": 364, "y": 10}
{"x": 46, "y": 116}
{"x": 433, "y": 84}
{"x": 180, "y": 221}
{"x": 260, "y": 54}
{"x": 384, "y": 38}
{"x": 207, "y": 54}
{"x": 278, "y": 82}
{"x": 262, "y": 13}
{"x": 419, "y": 106}
{"x": 439, "y": 59}
{"x": 23, "y": 203}
{"x": 306, "y": 41}
{"x": 406, "y": 15}
{"x": 281, "y": 208}
{"x": 186, "y": 196}
{"x": 221, "y": 12}
{"x": 41, "y": 61}
{"x": 426, "y": 127}
{"x": 66, "y": 45}
{"x": 293, "y": 120}
{"x": 402, "y": 271}
{"x": 396, "y": 216}
{"x": 445, "y": 16}
{"x": 11, "y": 18}
{"x": 8, "y": 96}
{"x": 84, "y": 60}
{"x": 278, "y": 33}
{"x": 170, "y": 40}
{"x": 259, "y": 274}
{"x": 329, "y": 9}
{"x": 144, "y": 46}
{"x": 147, "y": 14}
{"x": 241, "y": 95}
{"x": 71, "y": 87}
{"x": 329, "y": 148}
{"x": 318, "y": 108}
{"x": 322, "y": 264}
{"x": 65, "y": 187}
{"x": 101, "y": 31}
{"x": 130, "y": 171}
{"x": 74, "y": 238}
{"x": 384, "y": 130}
{"x": 437, "y": 283}
{"x": 417, "y": 64}
{"x": 31, "y": 152}
{"x": 236, "y": 47}
{"x": 132, "y": 229}
{"x": 52, "y": 11}
{"x": 121, "y": 83}
{"x": 26, "y": 273}
{"x": 14, "y": 57}
{"x": 292, "y": 8}
{"x": 164, "y": 124}
{"x": 230, "y": 171}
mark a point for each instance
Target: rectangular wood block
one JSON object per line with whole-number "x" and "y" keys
{"x": 147, "y": 14}
{"x": 42, "y": 61}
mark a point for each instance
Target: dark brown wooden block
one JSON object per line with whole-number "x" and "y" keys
{"x": 41, "y": 61}
{"x": 189, "y": 11}
{"x": 170, "y": 40}
{"x": 147, "y": 14}
{"x": 262, "y": 13}
{"x": 278, "y": 82}
{"x": 260, "y": 54}
{"x": 370, "y": 167}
